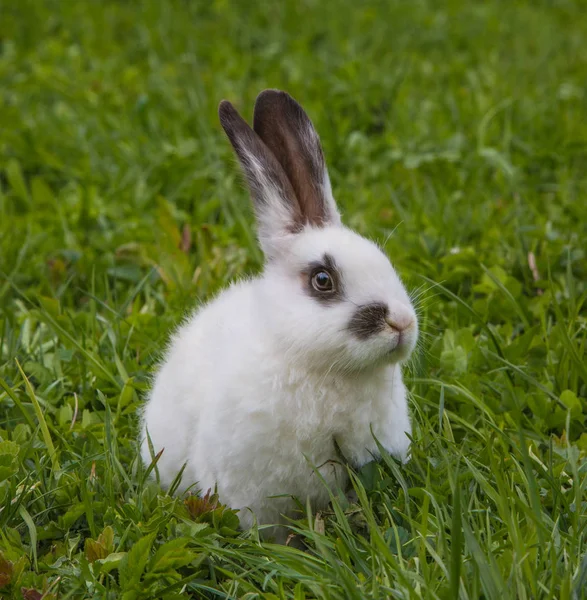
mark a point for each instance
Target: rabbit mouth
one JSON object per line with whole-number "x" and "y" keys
{"x": 394, "y": 350}
{"x": 396, "y": 342}
{"x": 399, "y": 348}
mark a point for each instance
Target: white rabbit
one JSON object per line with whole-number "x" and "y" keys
{"x": 266, "y": 380}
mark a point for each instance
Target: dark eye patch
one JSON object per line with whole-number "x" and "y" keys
{"x": 368, "y": 320}
{"x": 328, "y": 266}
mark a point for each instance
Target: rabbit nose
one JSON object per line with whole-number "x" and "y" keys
{"x": 400, "y": 321}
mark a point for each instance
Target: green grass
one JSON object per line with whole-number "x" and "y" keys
{"x": 456, "y": 131}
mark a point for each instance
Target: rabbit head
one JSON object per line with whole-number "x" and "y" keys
{"x": 330, "y": 298}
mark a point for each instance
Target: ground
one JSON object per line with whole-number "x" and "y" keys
{"x": 456, "y": 135}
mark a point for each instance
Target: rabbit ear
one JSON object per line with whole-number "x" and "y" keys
{"x": 288, "y": 132}
{"x": 276, "y": 205}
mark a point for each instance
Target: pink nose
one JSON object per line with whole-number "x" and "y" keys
{"x": 399, "y": 319}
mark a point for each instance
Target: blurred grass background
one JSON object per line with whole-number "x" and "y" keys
{"x": 455, "y": 132}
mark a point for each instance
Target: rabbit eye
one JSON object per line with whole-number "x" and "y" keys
{"x": 322, "y": 281}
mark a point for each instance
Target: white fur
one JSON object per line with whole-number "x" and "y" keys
{"x": 258, "y": 384}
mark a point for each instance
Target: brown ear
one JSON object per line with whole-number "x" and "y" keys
{"x": 276, "y": 205}
{"x": 288, "y": 132}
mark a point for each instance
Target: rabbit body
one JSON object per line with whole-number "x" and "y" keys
{"x": 261, "y": 385}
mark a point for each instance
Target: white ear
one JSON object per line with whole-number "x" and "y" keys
{"x": 288, "y": 132}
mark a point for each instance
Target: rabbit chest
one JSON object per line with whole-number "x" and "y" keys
{"x": 280, "y": 445}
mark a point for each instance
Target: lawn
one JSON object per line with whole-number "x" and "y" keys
{"x": 456, "y": 135}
